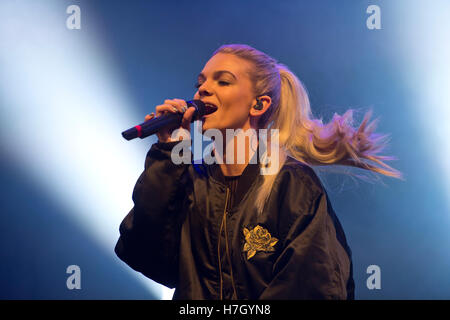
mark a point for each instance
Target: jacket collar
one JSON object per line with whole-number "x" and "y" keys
{"x": 248, "y": 176}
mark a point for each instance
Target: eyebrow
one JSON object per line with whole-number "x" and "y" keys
{"x": 217, "y": 74}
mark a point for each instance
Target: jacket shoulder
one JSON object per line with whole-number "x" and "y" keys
{"x": 300, "y": 173}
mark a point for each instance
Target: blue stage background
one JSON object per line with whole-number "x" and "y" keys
{"x": 65, "y": 96}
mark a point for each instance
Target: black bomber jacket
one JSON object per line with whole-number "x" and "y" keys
{"x": 185, "y": 233}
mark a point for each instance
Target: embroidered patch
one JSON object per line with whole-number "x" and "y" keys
{"x": 258, "y": 239}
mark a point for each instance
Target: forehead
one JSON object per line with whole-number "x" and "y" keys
{"x": 229, "y": 62}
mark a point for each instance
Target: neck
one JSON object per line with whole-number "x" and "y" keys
{"x": 233, "y": 147}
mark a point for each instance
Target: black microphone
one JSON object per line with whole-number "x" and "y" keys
{"x": 152, "y": 126}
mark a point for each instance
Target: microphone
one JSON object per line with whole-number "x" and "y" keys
{"x": 152, "y": 126}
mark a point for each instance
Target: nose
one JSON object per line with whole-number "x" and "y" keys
{"x": 203, "y": 91}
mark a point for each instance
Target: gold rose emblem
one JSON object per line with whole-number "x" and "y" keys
{"x": 258, "y": 239}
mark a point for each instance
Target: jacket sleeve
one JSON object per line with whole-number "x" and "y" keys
{"x": 315, "y": 260}
{"x": 150, "y": 233}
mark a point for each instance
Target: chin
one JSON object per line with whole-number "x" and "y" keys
{"x": 205, "y": 126}
{"x": 208, "y": 123}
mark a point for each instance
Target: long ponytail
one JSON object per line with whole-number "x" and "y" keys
{"x": 301, "y": 136}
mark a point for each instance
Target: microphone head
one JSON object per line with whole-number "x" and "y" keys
{"x": 200, "y": 108}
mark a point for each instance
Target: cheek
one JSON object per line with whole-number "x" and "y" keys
{"x": 235, "y": 114}
{"x": 236, "y": 105}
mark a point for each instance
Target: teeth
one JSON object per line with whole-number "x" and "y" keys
{"x": 210, "y": 108}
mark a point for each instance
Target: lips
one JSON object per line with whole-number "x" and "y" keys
{"x": 210, "y": 108}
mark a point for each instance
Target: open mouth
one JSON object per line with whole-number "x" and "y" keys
{"x": 210, "y": 108}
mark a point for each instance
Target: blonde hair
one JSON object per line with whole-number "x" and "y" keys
{"x": 301, "y": 136}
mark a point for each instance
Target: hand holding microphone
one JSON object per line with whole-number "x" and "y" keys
{"x": 171, "y": 115}
{"x": 173, "y": 106}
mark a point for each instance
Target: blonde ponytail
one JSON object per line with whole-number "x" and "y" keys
{"x": 303, "y": 138}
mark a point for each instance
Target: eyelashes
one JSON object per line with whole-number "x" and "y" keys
{"x": 222, "y": 83}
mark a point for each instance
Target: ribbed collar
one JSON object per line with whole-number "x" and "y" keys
{"x": 248, "y": 176}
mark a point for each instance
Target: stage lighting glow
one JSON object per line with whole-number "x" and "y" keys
{"x": 63, "y": 110}
{"x": 424, "y": 40}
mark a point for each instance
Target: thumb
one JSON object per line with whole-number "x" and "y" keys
{"x": 187, "y": 117}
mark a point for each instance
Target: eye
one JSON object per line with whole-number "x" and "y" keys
{"x": 222, "y": 83}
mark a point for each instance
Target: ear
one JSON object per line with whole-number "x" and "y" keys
{"x": 266, "y": 102}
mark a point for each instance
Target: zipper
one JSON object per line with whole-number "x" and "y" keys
{"x": 218, "y": 245}
{"x": 224, "y": 225}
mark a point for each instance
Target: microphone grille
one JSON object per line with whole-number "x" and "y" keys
{"x": 199, "y": 105}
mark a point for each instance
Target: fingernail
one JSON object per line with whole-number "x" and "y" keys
{"x": 184, "y": 108}
{"x": 174, "y": 109}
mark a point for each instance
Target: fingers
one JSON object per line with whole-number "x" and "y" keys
{"x": 149, "y": 116}
{"x": 186, "y": 121}
{"x": 173, "y": 106}
{"x": 181, "y": 105}
{"x": 165, "y": 108}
